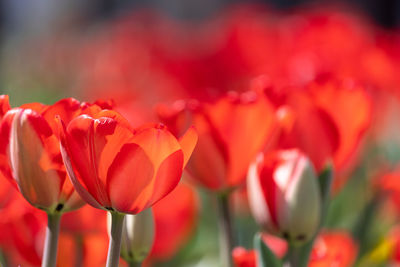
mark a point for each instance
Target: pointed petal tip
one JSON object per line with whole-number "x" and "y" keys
{"x": 188, "y": 142}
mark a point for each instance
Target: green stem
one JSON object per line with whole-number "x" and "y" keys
{"x": 225, "y": 230}
{"x": 294, "y": 256}
{"x": 51, "y": 241}
{"x": 114, "y": 248}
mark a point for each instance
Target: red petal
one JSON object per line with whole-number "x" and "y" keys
{"x": 4, "y": 105}
{"x": 5, "y": 129}
{"x": 351, "y": 122}
{"x": 245, "y": 127}
{"x": 83, "y": 154}
{"x": 128, "y": 176}
{"x": 188, "y": 142}
{"x": 158, "y": 143}
{"x": 168, "y": 176}
{"x": 66, "y": 109}
{"x": 32, "y": 149}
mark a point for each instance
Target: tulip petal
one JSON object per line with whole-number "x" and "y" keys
{"x": 83, "y": 157}
{"x": 4, "y": 105}
{"x": 188, "y": 142}
{"x": 5, "y": 129}
{"x": 245, "y": 126}
{"x": 168, "y": 176}
{"x": 158, "y": 143}
{"x": 208, "y": 164}
{"x": 66, "y": 109}
{"x": 31, "y": 162}
{"x": 351, "y": 122}
{"x": 128, "y": 176}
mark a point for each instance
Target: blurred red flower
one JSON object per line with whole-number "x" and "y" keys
{"x": 231, "y": 132}
{"x": 333, "y": 249}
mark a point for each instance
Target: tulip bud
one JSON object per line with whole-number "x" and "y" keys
{"x": 137, "y": 236}
{"x": 284, "y": 195}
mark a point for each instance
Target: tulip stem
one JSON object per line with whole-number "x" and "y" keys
{"x": 51, "y": 241}
{"x": 225, "y": 230}
{"x": 294, "y": 256}
{"x": 114, "y": 248}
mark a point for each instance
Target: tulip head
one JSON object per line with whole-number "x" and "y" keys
{"x": 35, "y": 162}
{"x": 115, "y": 167}
{"x": 284, "y": 195}
{"x": 232, "y": 130}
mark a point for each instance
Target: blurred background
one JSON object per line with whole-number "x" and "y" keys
{"x": 44, "y": 43}
{"x": 141, "y": 53}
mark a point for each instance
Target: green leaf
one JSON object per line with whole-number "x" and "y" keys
{"x": 325, "y": 183}
{"x": 265, "y": 257}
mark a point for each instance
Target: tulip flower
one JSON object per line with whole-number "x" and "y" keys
{"x": 120, "y": 169}
{"x": 31, "y": 160}
{"x": 232, "y": 131}
{"x": 306, "y": 114}
{"x": 333, "y": 248}
{"x": 284, "y": 195}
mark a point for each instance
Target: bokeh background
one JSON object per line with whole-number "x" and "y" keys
{"x": 141, "y": 53}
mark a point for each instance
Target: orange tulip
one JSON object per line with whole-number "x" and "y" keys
{"x": 117, "y": 168}
{"x": 231, "y": 132}
{"x": 30, "y": 154}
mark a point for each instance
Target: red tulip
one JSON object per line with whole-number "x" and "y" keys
{"x": 307, "y": 116}
{"x": 231, "y": 132}
{"x": 333, "y": 249}
{"x": 284, "y": 195}
{"x": 115, "y": 167}
{"x": 244, "y": 258}
{"x": 31, "y": 157}
{"x": 351, "y": 123}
